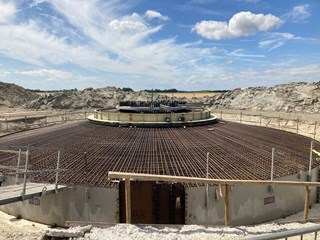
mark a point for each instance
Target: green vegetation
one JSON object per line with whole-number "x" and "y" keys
{"x": 173, "y": 90}
{"x": 52, "y": 91}
{"x": 126, "y": 89}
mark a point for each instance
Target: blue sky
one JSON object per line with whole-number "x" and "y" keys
{"x": 144, "y": 44}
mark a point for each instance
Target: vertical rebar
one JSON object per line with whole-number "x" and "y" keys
{"x": 310, "y": 160}
{"x": 272, "y": 162}
{"x": 25, "y": 175}
{"x": 18, "y": 166}
{"x": 207, "y": 185}
{"x": 57, "y": 172}
{"x": 260, "y": 119}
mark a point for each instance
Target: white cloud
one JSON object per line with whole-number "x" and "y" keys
{"x": 240, "y": 53}
{"x": 48, "y": 73}
{"x": 150, "y": 14}
{"x": 298, "y": 14}
{"x": 36, "y": 3}
{"x": 276, "y": 40}
{"x": 128, "y": 25}
{"x": 241, "y": 24}
{"x": 7, "y": 11}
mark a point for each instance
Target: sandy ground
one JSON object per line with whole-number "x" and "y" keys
{"x": 19, "y": 229}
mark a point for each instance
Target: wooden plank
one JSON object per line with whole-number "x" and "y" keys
{"x": 226, "y": 206}
{"x": 128, "y": 200}
{"x": 306, "y": 204}
{"x": 195, "y": 180}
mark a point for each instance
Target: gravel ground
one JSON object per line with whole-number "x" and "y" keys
{"x": 18, "y": 229}
{"x": 12, "y": 228}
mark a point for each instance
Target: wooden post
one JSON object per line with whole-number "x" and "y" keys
{"x": 226, "y": 206}
{"x": 65, "y": 117}
{"x": 306, "y": 203}
{"x": 297, "y": 125}
{"x": 85, "y": 114}
{"x": 6, "y": 125}
{"x": 279, "y": 119}
{"x": 241, "y": 117}
{"x": 315, "y": 130}
{"x": 45, "y": 120}
{"x": 128, "y": 200}
{"x": 221, "y": 114}
{"x": 25, "y": 121}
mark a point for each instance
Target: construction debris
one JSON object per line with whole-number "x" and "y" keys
{"x": 74, "y": 232}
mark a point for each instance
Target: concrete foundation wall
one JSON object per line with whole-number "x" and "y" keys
{"x": 249, "y": 204}
{"x": 77, "y": 204}
{"x": 146, "y": 117}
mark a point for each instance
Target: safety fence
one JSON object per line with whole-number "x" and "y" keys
{"x": 304, "y": 124}
{"x": 16, "y": 123}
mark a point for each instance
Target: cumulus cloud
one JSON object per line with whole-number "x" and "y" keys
{"x": 298, "y": 14}
{"x": 131, "y": 24}
{"x": 7, "y": 11}
{"x": 150, "y": 14}
{"x": 241, "y": 24}
{"x": 106, "y": 40}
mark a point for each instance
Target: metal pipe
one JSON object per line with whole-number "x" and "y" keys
{"x": 57, "y": 172}
{"x": 25, "y": 175}
{"x": 272, "y": 162}
{"x": 286, "y": 234}
{"x": 207, "y": 185}
{"x": 18, "y": 166}
{"x": 310, "y": 160}
{"x": 208, "y": 164}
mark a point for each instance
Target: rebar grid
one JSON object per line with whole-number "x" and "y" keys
{"x": 89, "y": 151}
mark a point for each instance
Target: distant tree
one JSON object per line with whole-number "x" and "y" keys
{"x": 127, "y": 89}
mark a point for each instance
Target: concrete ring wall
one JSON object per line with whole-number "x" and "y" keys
{"x": 105, "y": 114}
{"x": 247, "y": 202}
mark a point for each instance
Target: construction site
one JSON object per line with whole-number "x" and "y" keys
{"x": 166, "y": 164}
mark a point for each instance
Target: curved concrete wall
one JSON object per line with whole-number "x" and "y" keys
{"x": 77, "y": 204}
{"x": 106, "y": 115}
{"x": 247, "y": 204}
